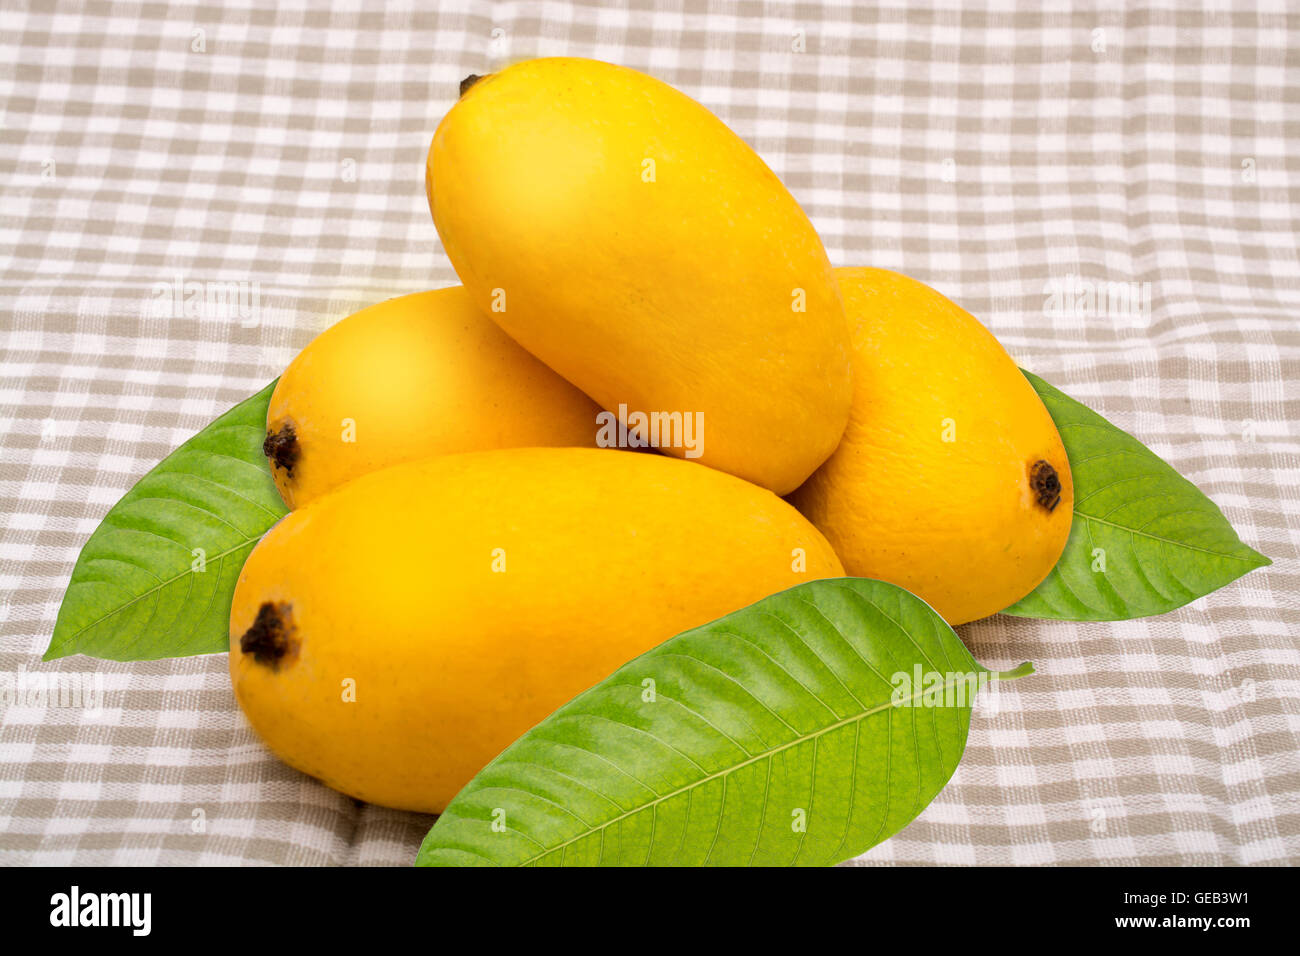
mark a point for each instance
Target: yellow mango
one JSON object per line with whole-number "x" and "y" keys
{"x": 621, "y": 233}
{"x": 951, "y": 480}
{"x": 420, "y": 375}
{"x": 392, "y": 637}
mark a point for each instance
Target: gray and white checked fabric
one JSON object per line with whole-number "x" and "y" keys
{"x": 999, "y": 153}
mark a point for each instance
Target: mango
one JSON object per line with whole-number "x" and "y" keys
{"x": 392, "y": 637}
{"x": 621, "y": 233}
{"x": 415, "y": 376}
{"x": 951, "y": 480}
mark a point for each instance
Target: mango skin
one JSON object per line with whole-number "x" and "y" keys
{"x": 389, "y": 582}
{"x": 675, "y": 295}
{"x": 958, "y": 523}
{"x": 419, "y": 375}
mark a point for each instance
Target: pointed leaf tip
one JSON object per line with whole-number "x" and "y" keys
{"x": 801, "y": 730}
{"x": 1144, "y": 540}
{"x": 156, "y": 577}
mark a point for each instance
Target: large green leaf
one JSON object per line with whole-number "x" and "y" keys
{"x": 1144, "y": 540}
{"x": 784, "y": 733}
{"x": 156, "y": 577}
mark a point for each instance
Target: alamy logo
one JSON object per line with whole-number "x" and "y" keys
{"x": 684, "y": 430}
{"x": 1075, "y": 297}
{"x": 56, "y": 689}
{"x": 923, "y": 688}
{"x": 103, "y": 909}
{"x": 227, "y": 301}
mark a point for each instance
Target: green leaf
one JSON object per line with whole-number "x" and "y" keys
{"x": 1144, "y": 540}
{"x": 780, "y": 734}
{"x": 139, "y": 590}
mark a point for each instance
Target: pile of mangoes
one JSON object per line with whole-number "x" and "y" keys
{"x": 501, "y": 492}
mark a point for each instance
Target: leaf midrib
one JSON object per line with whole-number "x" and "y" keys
{"x": 1164, "y": 540}
{"x": 144, "y": 594}
{"x": 723, "y": 773}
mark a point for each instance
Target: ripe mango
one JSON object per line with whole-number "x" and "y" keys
{"x": 621, "y": 233}
{"x": 415, "y": 376}
{"x": 392, "y": 637}
{"x": 951, "y": 480}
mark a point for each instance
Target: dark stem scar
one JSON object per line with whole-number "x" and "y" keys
{"x": 272, "y": 637}
{"x": 1046, "y": 484}
{"x": 469, "y": 81}
{"x": 282, "y": 448}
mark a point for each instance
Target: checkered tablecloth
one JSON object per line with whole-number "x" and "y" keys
{"x": 999, "y": 153}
